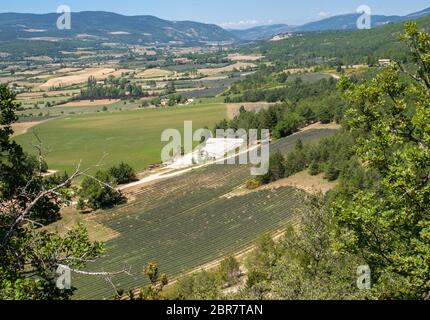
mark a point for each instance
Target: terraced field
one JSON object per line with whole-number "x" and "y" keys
{"x": 185, "y": 222}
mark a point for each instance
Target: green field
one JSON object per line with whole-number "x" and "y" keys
{"x": 130, "y": 136}
{"x": 187, "y": 221}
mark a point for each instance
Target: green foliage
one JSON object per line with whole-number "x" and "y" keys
{"x": 301, "y": 103}
{"x": 30, "y": 275}
{"x": 276, "y": 169}
{"x": 30, "y": 257}
{"x": 229, "y": 271}
{"x": 332, "y": 173}
{"x": 335, "y": 48}
{"x": 314, "y": 168}
{"x": 99, "y": 192}
{"x": 288, "y": 125}
{"x": 389, "y": 225}
{"x": 123, "y": 173}
{"x": 303, "y": 265}
{"x": 158, "y": 281}
{"x": 111, "y": 88}
{"x": 201, "y": 286}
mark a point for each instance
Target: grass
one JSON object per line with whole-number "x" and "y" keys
{"x": 130, "y": 136}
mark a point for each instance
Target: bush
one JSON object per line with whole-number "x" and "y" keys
{"x": 276, "y": 169}
{"x": 314, "y": 168}
{"x": 332, "y": 173}
{"x": 100, "y": 192}
{"x": 123, "y": 173}
{"x": 229, "y": 271}
{"x": 253, "y": 184}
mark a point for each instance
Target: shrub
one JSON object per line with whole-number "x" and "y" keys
{"x": 276, "y": 169}
{"x": 229, "y": 271}
{"x": 100, "y": 192}
{"x": 253, "y": 184}
{"x": 332, "y": 173}
{"x": 123, "y": 173}
{"x": 314, "y": 168}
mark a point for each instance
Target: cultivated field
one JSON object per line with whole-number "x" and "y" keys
{"x": 243, "y": 57}
{"x": 78, "y": 77}
{"x": 22, "y": 127}
{"x": 89, "y": 103}
{"x": 234, "y": 108}
{"x": 154, "y": 73}
{"x": 130, "y": 136}
{"x": 220, "y": 71}
{"x": 186, "y": 222}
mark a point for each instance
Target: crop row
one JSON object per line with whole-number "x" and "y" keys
{"x": 185, "y": 222}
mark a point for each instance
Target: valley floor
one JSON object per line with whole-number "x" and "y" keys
{"x": 186, "y": 222}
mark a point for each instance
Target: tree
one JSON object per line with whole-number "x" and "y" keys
{"x": 29, "y": 256}
{"x": 201, "y": 286}
{"x": 229, "y": 271}
{"x": 157, "y": 283}
{"x": 332, "y": 173}
{"x": 99, "y": 192}
{"x": 288, "y": 125}
{"x": 307, "y": 267}
{"x": 123, "y": 173}
{"x": 276, "y": 169}
{"x": 314, "y": 168}
{"x": 283, "y": 77}
{"x": 390, "y": 226}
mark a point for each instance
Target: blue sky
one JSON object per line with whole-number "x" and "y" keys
{"x": 227, "y": 13}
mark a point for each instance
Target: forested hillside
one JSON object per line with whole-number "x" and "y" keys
{"x": 341, "y": 47}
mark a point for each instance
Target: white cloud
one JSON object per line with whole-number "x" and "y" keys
{"x": 324, "y": 14}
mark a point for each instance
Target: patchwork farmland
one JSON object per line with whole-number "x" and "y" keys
{"x": 132, "y": 136}
{"x": 186, "y": 221}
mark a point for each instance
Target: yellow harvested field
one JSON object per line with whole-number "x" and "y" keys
{"x": 242, "y": 57}
{"x": 299, "y": 70}
{"x": 86, "y": 103}
{"x": 233, "y": 108}
{"x": 214, "y": 78}
{"x": 23, "y": 127}
{"x": 320, "y": 125}
{"x": 67, "y": 70}
{"x": 304, "y": 181}
{"x": 71, "y": 217}
{"x": 154, "y": 73}
{"x": 36, "y": 95}
{"x": 217, "y": 71}
{"x": 81, "y": 77}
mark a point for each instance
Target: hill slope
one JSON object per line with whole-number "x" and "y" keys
{"x": 340, "y": 47}
{"x": 341, "y": 22}
{"x": 107, "y": 26}
{"x": 262, "y": 32}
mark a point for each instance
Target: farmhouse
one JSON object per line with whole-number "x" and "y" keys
{"x": 384, "y": 62}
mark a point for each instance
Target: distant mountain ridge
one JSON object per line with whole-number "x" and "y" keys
{"x": 98, "y": 25}
{"x": 262, "y": 32}
{"x": 113, "y": 27}
{"x": 341, "y": 22}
